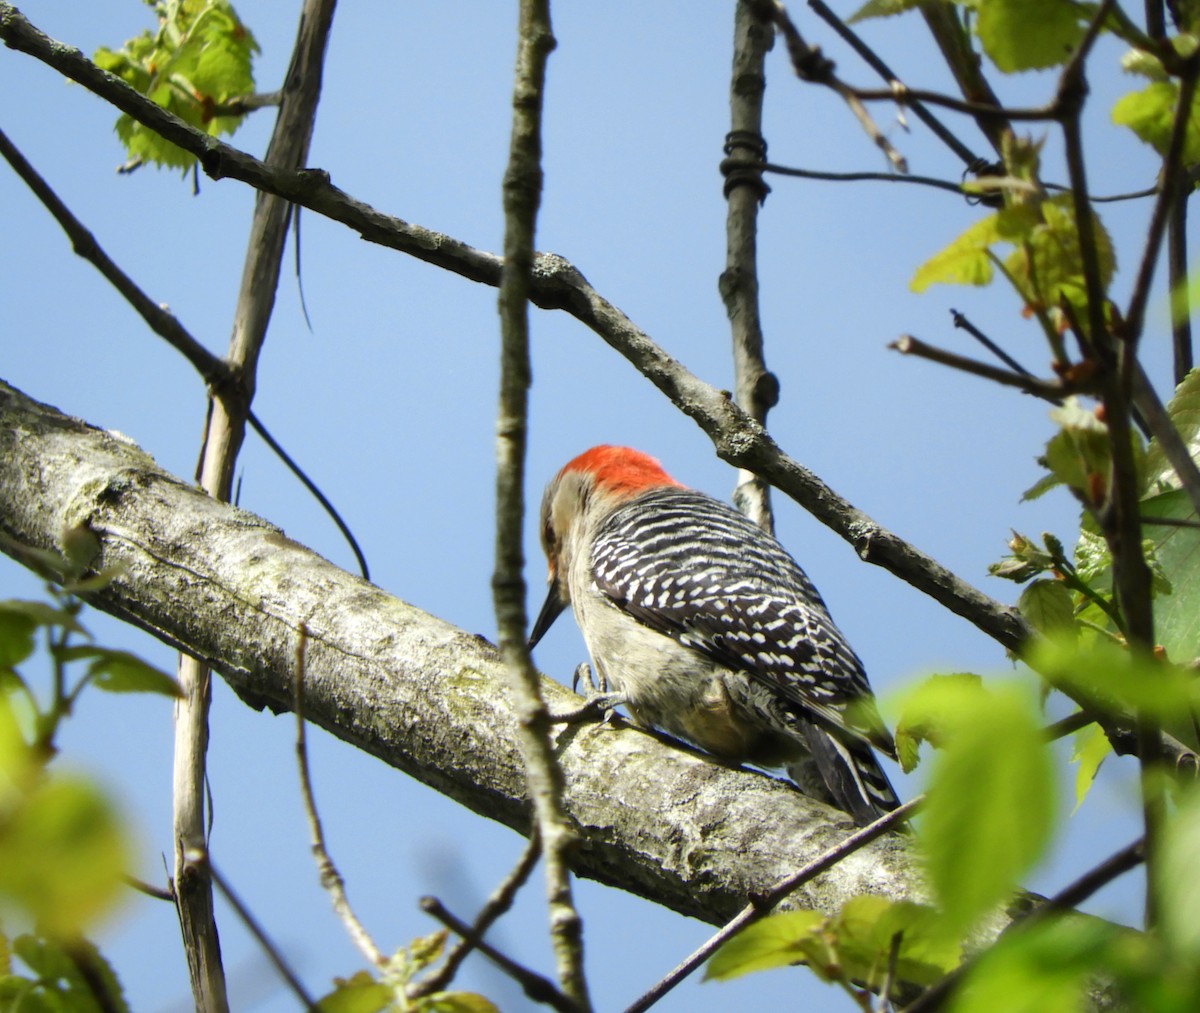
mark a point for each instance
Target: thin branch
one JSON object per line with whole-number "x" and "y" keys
{"x": 242, "y": 104}
{"x": 272, "y": 951}
{"x": 212, "y": 369}
{"x": 149, "y": 889}
{"x": 539, "y": 989}
{"x": 1072, "y": 91}
{"x": 1169, "y": 192}
{"x": 1048, "y": 390}
{"x": 872, "y": 59}
{"x": 950, "y": 35}
{"x": 756, "y": 388}
{"x": 1154, "y": 413}
{"x": 810, "y": 65}
{"x": 312, "y": 487}
{"x": 522, "y": 192}
{"x": 762, "y": 906}
{"x": 962, "y": 322}
{"x": 1070, "y": 897}
{"x": 497, "y": 904}
{"x": 903, "y": 95}
{"x": 223, "y": 436}
{"x": 858, "y": 177}
{"x": 1177, "y": 280}
{"x": 959, "y": 188}
{"x": 331, "y": 880}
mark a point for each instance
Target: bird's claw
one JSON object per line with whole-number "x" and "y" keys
{"x": 599, "y": 702}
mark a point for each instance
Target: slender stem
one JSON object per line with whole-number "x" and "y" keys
{"x": 1177, "y": 274}
{"x": 537, "y": 988}
{"x": 274, "y": 954}
{"x": 224, "y": 432}
{"x": 763, "y": 905}
{"x": 873, "y": 60}
{"x": 522, "y": 194}
{"x": 1049, "y": 390}
{"x": 497, "y": 904}
{"x": 755, "y": 388}
{"x": 331, "y": 879}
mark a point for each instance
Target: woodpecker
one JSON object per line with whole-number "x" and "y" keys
{"x": 704, "y": 627}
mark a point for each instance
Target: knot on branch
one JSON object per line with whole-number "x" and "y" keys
{"x": 746, "y": 151}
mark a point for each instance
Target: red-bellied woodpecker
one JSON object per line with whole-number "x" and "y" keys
{"x": 707, "y": 629}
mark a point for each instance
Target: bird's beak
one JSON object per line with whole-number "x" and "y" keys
{"x": 551, "y": 610}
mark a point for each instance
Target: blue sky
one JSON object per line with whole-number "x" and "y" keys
{"x": 389, "y": 404}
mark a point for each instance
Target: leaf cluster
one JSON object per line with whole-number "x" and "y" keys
{"x": 199, "y": 59}
{"x": 64, "y": 848}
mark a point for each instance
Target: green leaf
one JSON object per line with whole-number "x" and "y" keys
{"x": 16, "y": 637}
{"x": 200, "y": 57}
{"x": 358, "y": 994}
{"x": 995, "y": 764}
{"x": 929, "y": 711}
{"x": 866, "y": 927}
{"x": 1048, "y": 264}
{"x": 1150, "y": 113}
{"x": 62, "y": 854}
{"x": 883, "y": 9}
{"x": 1030, "y": 34}
{"x": 1091, "y": 748}
{"x": 777, "y": 941}
{"x": 1078, "y": 454}
{"x": 1113, "y": 680}
{"x": 1048, "y": 606}
{"x": 455, "y": 1002}
{"x": 61, "y": 984}
{"x": 1177, "y": 878}
{"x": 1177, "y": 555}
{"x": 121, "y": 672}
{"x": 965, "y": 261}
{"x": 1184, "y": 412}
{"x": 1042, "y": 970}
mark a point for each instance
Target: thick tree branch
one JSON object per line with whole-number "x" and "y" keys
{"x": 432, "y": 700}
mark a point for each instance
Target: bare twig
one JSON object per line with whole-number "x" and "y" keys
{"x": 149, "y": 889}
{"x": 224, "y": 432}
{"x": 872, "y": 59}
{"x": 214, "y": 370}
{"x": 538, "y": 989}
{"x": 761, "y": 906}
{"x": 858, "y": 177}
{"x": 259, "y": 933}
{"x": 313, "y": 488}
{"x": 1048, "y": 390}
{"x": 756, "y": 388}
{"x": 962, "y": 322}
{"x": 1177, "y": 279}
{"x": 1169, "y": 192}
{"x": 945, "y": 25}
{"x": 522, "y": 195}
{"x": 810, "y": 65}
{"x": 497, "y": 904}
{"x": 331, "y": 879}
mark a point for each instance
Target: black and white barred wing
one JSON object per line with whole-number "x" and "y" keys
{"x": 694, "y": 569}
